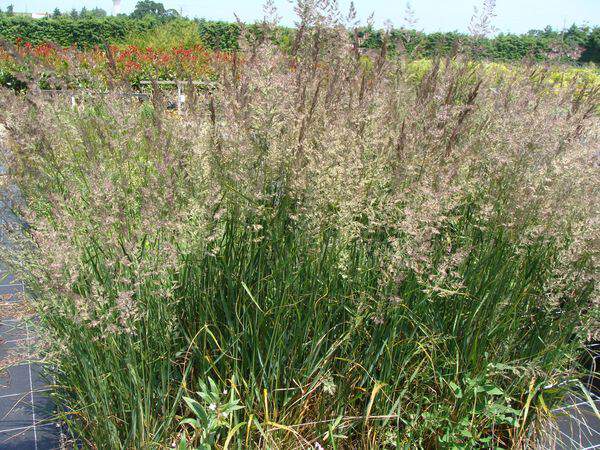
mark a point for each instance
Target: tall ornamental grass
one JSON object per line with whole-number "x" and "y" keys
{"x": 355, "y": 257}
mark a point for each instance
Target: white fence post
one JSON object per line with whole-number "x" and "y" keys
{"x": 179, "y": 102}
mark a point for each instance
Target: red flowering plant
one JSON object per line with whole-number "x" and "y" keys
{"x": 52, "y": 66}
{"x": 134, "y": 64}
{"x": 13, "y": 65}
{"x": 171, "y": 51}
{"x": 69, "y": 67}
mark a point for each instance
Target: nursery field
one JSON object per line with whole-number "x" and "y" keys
{"x": 329, "y": 247}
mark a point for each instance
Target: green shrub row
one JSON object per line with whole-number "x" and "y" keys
{"x": 577, "y": 44}
{"x": 66, "y": 31}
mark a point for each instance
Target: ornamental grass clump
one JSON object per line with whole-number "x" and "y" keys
{"x": 353, "y": 257}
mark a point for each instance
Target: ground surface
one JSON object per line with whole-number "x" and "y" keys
{"x": 577, "y": 426}
{"x": 25, "y": 408}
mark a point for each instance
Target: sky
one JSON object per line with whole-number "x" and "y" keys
{"x": 516, "y": 16}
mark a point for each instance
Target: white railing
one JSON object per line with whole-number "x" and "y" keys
{"x": 180, "y": 84}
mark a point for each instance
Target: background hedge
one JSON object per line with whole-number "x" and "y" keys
{"x": 576, "y": 44}
{"x": 66, "y": 31}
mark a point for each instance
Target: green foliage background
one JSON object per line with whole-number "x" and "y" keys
{"x": 66, "y": 31}
{"x": 218, "y": 35}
